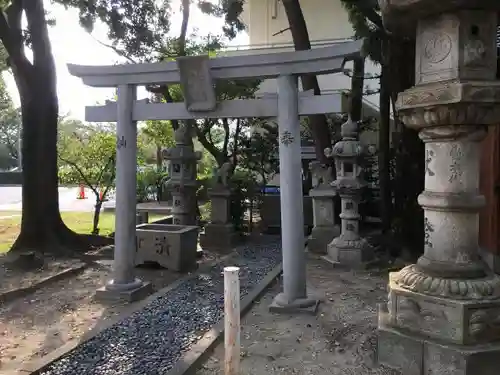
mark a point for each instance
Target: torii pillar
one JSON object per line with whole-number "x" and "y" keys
{"x": 294, "y": 297}
{"x": 124, "y": 285}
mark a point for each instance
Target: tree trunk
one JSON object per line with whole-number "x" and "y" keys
{"x": 97, "y": 213}
{"x": 300, "y": 35}
{"x": 357, "y": 83}
{"x": 41, "y": 226}
{"x": 384, "y": 149}
{"x": 159, "y": 164}
{"x": 410, "y": 156}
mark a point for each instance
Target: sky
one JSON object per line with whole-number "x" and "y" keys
{"x": 71, "y": 44}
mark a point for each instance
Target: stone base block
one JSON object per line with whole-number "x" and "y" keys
{"x": 352, "y": 253}
{"x": 113, "y": 295}
{"x": 219, "y": 237}
{"x": 320, "y": 238}
{"x": 454, "y": 320}
{"x": 413, "y": 354}
{"x": 281, "y": 305}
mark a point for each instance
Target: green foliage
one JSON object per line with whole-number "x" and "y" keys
{"x": 140, "y": 29}
{"x": 259, "y": 156}
{"x": 159, "y": 132}
{"x": 10, "y": 127}
{"x": 367, "y": 24}
{"x": 88, "y": 159}
{"x": 229, "y": 9}
{"x": 149, "y": 181}
{"x": 243, "y": 189}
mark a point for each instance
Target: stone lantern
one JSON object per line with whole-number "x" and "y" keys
{"x": 182, "y": 183}
{"x": 349, "y": 248}
{"x": 443, "y": 314}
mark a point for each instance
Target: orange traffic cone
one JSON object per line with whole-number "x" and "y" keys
{"x": 81, "y": 192}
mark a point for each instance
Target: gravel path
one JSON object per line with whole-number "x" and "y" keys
{"x": 152, "y": 340}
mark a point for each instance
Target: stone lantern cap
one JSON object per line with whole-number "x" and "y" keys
{"x": 403, "y": 14}
{"x": 181, "y": 153}
{"x": 349, "y": 146}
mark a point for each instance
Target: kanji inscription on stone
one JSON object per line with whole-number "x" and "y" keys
{"x": 161, "y": 245}
{"x": 196, "y": 83}
{"x": 286, "y": 138}
{"x": 121, "y": 142}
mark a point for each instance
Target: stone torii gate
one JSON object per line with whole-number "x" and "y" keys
{"x": 196, "y": 75}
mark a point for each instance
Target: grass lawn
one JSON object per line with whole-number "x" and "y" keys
{"x": 80, "y": 222}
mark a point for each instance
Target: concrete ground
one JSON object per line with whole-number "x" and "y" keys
{"x": 339, "y": 340}
{"x": 11, "y": 197}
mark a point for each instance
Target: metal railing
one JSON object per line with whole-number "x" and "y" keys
{"x": 286, "y": 45}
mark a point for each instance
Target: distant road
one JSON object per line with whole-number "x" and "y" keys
{"x": 11, "y": 197}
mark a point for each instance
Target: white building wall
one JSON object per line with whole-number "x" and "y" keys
{"x": 327, "y": 23}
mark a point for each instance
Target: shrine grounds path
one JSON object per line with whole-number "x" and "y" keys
{"x": 339, "y": 340}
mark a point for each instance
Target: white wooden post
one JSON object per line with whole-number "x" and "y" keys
{"x": 294, "y": 294}
{"x": 232, "y": 320}
{"x": 124, "y": 285}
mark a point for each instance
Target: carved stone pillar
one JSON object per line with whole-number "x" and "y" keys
{"x": 182, "y": 182}
{"x": 443, "y": 314}
{"x": 324, "y": 230}
{"x": 349, "y": 248}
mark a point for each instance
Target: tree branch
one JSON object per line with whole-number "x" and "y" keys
{"x": 11, "y": 36}
{"x": 235, "y": 140}
{"x": 40, "y": 42}
{"x": 10, "y": 31}
{"x": 210, "y": 147}
{"x": 113, "y": 175}
{"x": 80, "y": 172}
{"x": 181, "y": 51}
{"x": 181, "y": 47}
{"x": 110, "y": 160}
{"x": 115, "y": 49}
{"x": 225, "y": 125}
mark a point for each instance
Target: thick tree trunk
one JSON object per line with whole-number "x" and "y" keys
{"x": 42, "y": 228}
{"x": 300, "y": 35}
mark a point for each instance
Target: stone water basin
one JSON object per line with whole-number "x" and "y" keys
{"x": 171, "y": 246}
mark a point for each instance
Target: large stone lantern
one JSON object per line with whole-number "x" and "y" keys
{"x": 443, "y": 314}
{"x": 349, "y": 248}
{"x": 182, "y": 169}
